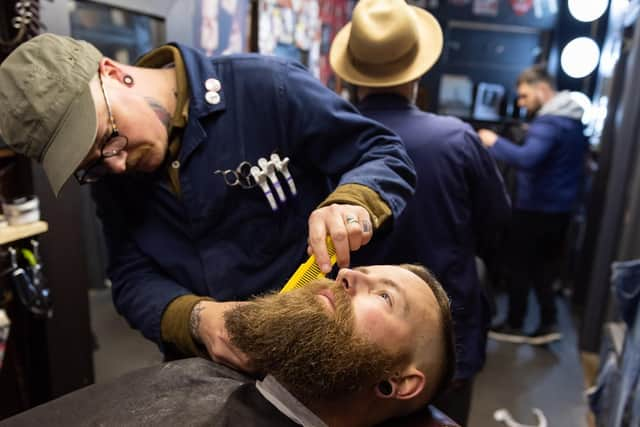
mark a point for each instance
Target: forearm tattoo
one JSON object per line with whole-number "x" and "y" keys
{"x": 194, "y": 320}
{"x": 160, "y": 111}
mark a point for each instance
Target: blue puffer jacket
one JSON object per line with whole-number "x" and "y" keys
{"x": 550, "y": 162}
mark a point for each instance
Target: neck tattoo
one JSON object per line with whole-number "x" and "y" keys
{"x": 160, "y": 111}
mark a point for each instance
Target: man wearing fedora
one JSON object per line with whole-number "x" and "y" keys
{"x": 460, "y": 205}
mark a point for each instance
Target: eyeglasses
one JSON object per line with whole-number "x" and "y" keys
{"x": 110, "y": 148}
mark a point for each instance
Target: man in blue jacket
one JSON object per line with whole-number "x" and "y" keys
{"x": 229, "y": 162}
{"x": 550, "y": 173}
{"x": 460, "y": 203}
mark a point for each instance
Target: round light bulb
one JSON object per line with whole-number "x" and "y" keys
{"x": 587, "y": 10}
{"x": 580, "y": 57}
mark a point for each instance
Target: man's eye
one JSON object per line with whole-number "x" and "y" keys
{"x": 386, "y": 297}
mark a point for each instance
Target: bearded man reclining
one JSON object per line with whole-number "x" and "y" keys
{"x": 374, "y": 344}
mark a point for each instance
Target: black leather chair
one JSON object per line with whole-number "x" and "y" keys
{"x": 428, "y": 417}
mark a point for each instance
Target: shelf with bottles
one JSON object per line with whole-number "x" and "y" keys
{"x": 11, "y": 233}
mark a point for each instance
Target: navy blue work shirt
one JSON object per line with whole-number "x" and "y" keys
{"x": 460, "y": 205}
{"x": 226, "y": 242}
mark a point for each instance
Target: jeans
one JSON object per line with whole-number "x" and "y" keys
{"x": 626, "y": 280}
{"x": 602, "y": 398}
{"x": 535, "y": 244}
{"x": 635, "y": 408}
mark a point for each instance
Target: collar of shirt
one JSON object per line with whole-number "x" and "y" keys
{"x": 385, "y": 101}
{"x": 198, "y": 69}
{"x": 286, "y": 403}
{"x": 170, "y": 56}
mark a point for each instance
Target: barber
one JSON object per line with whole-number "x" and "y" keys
{"x": 208, "y": 173}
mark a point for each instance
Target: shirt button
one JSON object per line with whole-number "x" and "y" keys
{"x": 175, "y": 164}
{"x": 212, "y": 98}
{"x": 213, "y": 85}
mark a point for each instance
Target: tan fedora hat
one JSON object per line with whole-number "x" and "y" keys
{"x": 387, "y": 43}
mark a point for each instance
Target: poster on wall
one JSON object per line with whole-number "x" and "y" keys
{"x": 223, "y": 26}
{"x": 334, "y": 14}
{"x": 488, "y": 102}
{"x": 541, "y": 7}
{"x": 521, "y": 7}
{"x": 485, "y": 7}
{"x": 425, "y": 4}
{"x": 291, "y": 29}
{"x": 456, "y": 94}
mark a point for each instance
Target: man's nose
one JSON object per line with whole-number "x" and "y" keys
{"x": 118, "y": 163}
{"x": 352, "y": 281}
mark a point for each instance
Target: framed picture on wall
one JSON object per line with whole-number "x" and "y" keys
{"x": 291, "y": 29}
{"x": 455, "y": 96}
{"x": 222, "y": 26}
{"x": 488, "y": 102}
{"x": 485, "y": 7}
{"x": 118, "y": 33}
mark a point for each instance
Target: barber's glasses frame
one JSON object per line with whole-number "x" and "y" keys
{"x": 110, "y": 148}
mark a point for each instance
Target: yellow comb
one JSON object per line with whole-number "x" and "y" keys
{"x": 309, "y": 271}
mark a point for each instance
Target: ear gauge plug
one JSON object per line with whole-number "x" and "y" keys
{"x": 385, "y": 388}
{"x": 128, "y": 80}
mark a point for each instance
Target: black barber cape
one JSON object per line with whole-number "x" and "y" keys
{"x": 189, "y": 392}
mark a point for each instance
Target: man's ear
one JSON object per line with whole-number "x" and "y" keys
{"x": 538, "y": 93}
{"x": 112, "y": 69}
{"x": 408, "y": 384}
{"x": 543, "y": 92}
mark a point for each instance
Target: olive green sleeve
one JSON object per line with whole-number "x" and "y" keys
{"x": 175, "y": 329}
{"x": 361, "y": 195}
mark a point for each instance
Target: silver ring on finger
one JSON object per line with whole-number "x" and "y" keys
{"x": 350, "y": 219}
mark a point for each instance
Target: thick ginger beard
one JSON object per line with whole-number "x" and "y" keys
{"x": 315, "y": 354}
